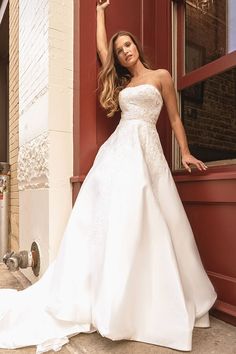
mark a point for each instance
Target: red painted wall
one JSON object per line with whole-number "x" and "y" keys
{"x": 210, "y": 203}
{"x": 148, "y": 20}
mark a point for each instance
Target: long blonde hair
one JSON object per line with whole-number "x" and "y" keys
{"x": 113, "y": 76}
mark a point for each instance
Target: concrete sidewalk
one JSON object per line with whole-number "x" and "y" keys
{"x": 219, "y": 339}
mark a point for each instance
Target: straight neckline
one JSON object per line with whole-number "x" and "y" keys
{"x": 132, "y": 87}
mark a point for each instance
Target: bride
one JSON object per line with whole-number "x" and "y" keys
{"x": 128, "y": 265}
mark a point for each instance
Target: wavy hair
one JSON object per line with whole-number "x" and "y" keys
{"x": 114, "y": 77}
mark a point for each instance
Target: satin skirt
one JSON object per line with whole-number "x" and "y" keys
{"x": 128, "y": 265}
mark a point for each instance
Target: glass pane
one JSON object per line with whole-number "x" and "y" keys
{"x": 210, "y": 31}
{"x": 209, "y": 117}
{"x": 231, "y": 26}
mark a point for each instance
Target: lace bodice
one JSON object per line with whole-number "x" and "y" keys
{"x": 142, "y": 102}
{"x": 136, "y": 134}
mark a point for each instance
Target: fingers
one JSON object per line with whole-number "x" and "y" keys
{"x": 187, "y": 166}
{"x": 199, "y": 164}
{"x": 203, "y": 165}
{"x": 103, "y": 3}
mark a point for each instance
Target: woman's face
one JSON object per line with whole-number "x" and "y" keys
{"x": 126, "y": 51}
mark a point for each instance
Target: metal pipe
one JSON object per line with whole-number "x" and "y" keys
{"x": 4, "y": 207}
{"x": 24, "y": 259}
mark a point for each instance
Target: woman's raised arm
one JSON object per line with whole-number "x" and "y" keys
{"x": 102, "y": 46}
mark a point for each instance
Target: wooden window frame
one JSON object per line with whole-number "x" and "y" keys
{"x": 205, "y": 72}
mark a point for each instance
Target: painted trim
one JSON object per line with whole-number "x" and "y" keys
{"x": 222, "y": 277}
{"x": 76, "y": 99}
{"x": 216, "y": 67}
{"x": 225, "y": 172}
{"x": 3, "y": 9}
{"x": 225, "y": 307}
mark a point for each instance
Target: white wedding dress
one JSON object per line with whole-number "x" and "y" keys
{"x": 128, "y": 265}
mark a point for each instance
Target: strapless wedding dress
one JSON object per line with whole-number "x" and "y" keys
{"x": 128, "y": 266}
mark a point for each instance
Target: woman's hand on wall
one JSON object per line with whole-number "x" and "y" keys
{"x": 102, "y": 5}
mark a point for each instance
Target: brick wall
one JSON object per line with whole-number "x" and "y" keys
{"x": 14, "y": 120}
{"x": 211, "y": 124}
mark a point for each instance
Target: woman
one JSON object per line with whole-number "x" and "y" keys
{"x": 128, "y": 265}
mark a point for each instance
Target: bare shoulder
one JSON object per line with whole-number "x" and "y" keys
{"x": 162, "y": 75}
{"x": 161, "y": 78}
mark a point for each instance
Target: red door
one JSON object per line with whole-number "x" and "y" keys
{"x": 150, "y": 21}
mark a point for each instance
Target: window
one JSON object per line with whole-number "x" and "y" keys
{"x": 210, "y": 31}
{"x": 209, "y": 114}
{"x": 206, "y": 77}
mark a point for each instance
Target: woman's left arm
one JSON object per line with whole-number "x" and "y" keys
{"x": 169, "y": 97}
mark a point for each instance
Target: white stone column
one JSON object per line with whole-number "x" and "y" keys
{"x": 45, "y": 124}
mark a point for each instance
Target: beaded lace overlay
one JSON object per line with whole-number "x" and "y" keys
{"x": 142, "y": 102}
{"x": 140, "y": 105}
{"x": 136, "y": 134}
